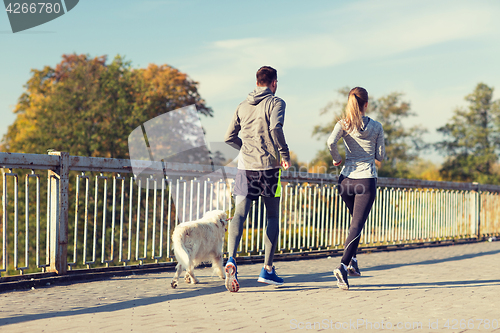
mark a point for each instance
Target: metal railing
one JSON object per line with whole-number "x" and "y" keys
{"x": 88, "y": 212}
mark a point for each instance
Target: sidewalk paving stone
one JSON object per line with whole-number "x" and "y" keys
{"x": 432, "y": 287}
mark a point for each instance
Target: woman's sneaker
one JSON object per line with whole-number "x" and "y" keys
{"x": 353, "y": 269}
{"x": 232, "y": 276}
{"x": 341, "y": 275}
{"x": 270, "y": 278}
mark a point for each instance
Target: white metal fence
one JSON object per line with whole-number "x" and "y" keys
{"x": 63, "y": 212}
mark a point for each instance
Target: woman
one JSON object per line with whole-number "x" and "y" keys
{"x": 364, "y": 143}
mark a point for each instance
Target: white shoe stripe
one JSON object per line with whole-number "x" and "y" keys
{"x": 261, "y": 279}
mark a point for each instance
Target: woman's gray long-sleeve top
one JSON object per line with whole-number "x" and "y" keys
{"x": 362, "y": 148}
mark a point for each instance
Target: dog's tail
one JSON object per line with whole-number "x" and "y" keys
{"x": 180, "y": 251}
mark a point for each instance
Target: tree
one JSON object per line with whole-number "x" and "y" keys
{"x": 426, "y": 170}
{"x": 402, "y": 144}
{"x": 88, "y": 107}
{"x": 472, "y": 139}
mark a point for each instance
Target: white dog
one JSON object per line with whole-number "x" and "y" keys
{"x": 197, "y": 242}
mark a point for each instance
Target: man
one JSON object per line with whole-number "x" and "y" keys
{"x": 259, "y": 122}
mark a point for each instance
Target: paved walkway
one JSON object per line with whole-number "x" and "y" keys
{"x": 452, "y": 289}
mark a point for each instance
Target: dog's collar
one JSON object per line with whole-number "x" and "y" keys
{"x": 227, "y": 220}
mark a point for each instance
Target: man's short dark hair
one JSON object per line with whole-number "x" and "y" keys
{"x": 266, "y": 75}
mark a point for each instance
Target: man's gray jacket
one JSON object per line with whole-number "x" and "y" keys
{"x": 259, "y": 122}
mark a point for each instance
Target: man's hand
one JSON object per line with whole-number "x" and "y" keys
{"x": 285, "y": 164}
{"x": 337, "y": 164}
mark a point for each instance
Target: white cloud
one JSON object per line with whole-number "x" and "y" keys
{"x": 382, "y": 32}
{"x": 367, "y": 31}
{"x": 426, "y": 28}
{"x": 306, "y": 51}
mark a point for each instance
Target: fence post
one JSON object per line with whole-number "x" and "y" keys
{"x": 478, "y": 209}
{"x": 58, "y": 221}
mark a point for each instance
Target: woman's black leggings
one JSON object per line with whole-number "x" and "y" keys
{"x": 358, "y": 195}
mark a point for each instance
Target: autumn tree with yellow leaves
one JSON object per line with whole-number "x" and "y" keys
{"x": 88, "y": 107}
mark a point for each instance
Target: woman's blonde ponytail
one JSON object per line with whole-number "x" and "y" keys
{"x": 352, "y": 119}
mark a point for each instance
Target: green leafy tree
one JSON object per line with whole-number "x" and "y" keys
{"x": 88, "y": 107}
{"x": 403, "y": 144}
{"x": 472, "y": 139}
{"x": 323, "y": 160}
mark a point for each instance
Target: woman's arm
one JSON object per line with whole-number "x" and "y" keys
{"x": 337, "y": 133}
{"x": 380, "y": 147}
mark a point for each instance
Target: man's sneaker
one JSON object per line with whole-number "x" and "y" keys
{"x": 341, "y": 275}
{"x": 353, "y": 268}
{"x": 232, "y": 276}
{"x": 270, "y": 278}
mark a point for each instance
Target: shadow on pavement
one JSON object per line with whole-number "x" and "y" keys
{"x": 179, "y": 293}
{"x": 426, "y": 285}
{"x": 114, "y": 306}
{"x": 325, "y": 279}
{"x": 430, "y": 262}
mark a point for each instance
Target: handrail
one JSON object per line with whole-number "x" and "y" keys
{"x": 135, "y": 224}
{"x": 99, "y": 164}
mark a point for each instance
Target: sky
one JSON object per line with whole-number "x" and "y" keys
{"x": 434, "y": 52}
